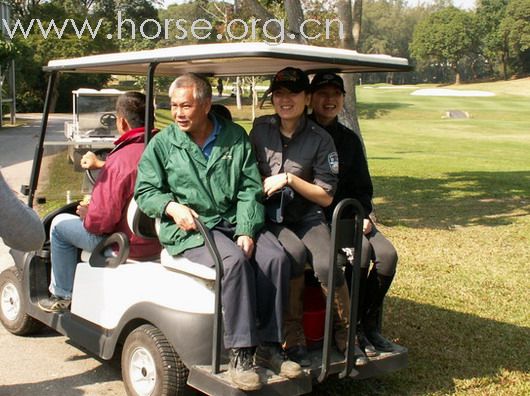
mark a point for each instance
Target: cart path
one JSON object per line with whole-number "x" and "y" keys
{"x": 44, "y": 364}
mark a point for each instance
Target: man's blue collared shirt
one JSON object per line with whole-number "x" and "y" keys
{"x": 210, "y": 141}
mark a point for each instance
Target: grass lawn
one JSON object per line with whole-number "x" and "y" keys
{"x": 454, "y": 197}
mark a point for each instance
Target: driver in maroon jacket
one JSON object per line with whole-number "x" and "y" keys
{"x": 107, "y": 211}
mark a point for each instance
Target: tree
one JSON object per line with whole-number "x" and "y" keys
{"x": 516, "y": 28}
{"x": 443, "y": 39}
{"x": 36, "y": 50}
{"x": 494, "y": 43}
{"x": 8, "y": 52}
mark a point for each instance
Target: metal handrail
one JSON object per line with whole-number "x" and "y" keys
{"x": 217, "y": 322}
{"x": 328, "y": 330}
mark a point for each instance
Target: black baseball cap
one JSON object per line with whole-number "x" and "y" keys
{"x": 295, "y": 80}
{"x": 322, "y": 79}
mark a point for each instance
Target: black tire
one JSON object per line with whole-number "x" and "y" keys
{"x": 13, "y": 303}
{"x": 150, "y": 366}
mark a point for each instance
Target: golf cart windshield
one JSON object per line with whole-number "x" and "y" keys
{"x": 94, "y": 112}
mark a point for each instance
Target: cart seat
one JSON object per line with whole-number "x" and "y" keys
{"x": 147, "y": 227}
{"x": 182, "y": 264}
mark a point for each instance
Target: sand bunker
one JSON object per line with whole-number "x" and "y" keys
{"x": 450, "y": 92}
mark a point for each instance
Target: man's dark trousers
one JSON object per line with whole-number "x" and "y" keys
{"x": 254, "y": 292}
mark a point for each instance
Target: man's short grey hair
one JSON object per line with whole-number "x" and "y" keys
{"x": 202, "y": 91}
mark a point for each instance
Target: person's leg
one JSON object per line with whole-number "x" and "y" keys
{"x": 67, "y": 236}
{"x": 239, "y": 307}
{"x": 385, "y": 260}
{"x": 316, "y": 237}
{"x": 273, "y": 269}
{"x": 366, "y": 257}
{"x": 272, "y": 285}
{"x": 294, "y": 337}
{"x": 238, "y": 290}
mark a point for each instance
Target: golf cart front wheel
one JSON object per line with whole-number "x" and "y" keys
{"x": 12, "y": 304}
{"x": 150, "y": 366}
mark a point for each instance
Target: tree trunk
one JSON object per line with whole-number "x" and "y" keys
{"x": 357, "y": 15}
{"x": 349, "y": 115}
{"x": 295, "y": 18}
{"x": 262, "y": 15}
{"x": 457, "y": 74}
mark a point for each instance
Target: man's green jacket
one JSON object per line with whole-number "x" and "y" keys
{"x": 227, "y": 186}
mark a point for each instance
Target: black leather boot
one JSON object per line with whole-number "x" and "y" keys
{"x": 377, "y": 287}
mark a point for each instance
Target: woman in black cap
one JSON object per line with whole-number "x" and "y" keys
{"x": 354, "y": 182}
{"x": 298, "y": 159}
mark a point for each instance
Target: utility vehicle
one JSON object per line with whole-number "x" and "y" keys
{"x": 164, "y": 315}
{"x": 93, "y": 125}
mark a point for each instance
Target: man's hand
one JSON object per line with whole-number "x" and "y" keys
{"x": 246, "y": 244}
{"x": 82, "y": 210}
{"x": 183, "y": 216}
{"x": 91, "y": 161}
{"x": 367, "y": 226}
{"x": 274, "y": 183}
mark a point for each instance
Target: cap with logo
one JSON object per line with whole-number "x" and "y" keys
{"x": 322, "y": 79}
{"x": 295, "y": 80}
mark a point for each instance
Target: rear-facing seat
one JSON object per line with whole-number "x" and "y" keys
{"x": 147, "y": 227}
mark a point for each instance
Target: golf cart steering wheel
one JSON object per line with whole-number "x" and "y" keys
{"x": 108, "y": 120}
{"x": 92, "y": 174}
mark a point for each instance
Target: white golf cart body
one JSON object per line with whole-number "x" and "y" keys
{"x": 176, "y": 299}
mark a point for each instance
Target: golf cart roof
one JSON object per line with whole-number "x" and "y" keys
{"x": 96, "y": 92}
{"x": 231, "y": 59}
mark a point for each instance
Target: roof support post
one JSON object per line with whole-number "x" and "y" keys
{"x": 39, "y": 149}
{"x": 150, "y": 102}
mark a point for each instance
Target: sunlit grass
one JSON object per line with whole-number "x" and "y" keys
{"x": 454, "y": 197}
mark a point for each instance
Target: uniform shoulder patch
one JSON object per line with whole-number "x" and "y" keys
{"x": 333, "y": 161}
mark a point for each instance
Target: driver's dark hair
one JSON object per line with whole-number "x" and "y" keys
{"x": 131, "y": 106}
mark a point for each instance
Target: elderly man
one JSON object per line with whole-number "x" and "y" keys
{"x": 107, "y": 211}
{"x": 202, "y": 165}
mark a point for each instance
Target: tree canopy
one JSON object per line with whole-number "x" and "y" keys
{"x": 444, "y": 38}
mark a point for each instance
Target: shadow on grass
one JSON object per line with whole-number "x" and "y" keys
{"x": 371, "y": 111}
{"x": 444, "y": 346}
{"x": 459, "y": 199}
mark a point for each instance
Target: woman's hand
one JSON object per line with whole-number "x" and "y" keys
{"x": 274, "y": 183}
{"x": 183, "y": 216}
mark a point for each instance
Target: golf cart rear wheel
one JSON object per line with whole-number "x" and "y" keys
{"x": 150, "y": 366}
{"x": 12, "y": 304}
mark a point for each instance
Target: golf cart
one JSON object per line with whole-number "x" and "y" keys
{"x": 164, "y": 315}
{"x": 93, "y": 125}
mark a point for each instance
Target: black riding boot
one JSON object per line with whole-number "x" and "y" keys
{"x": 377, "y": 287}
{"x": 365, "y": 345}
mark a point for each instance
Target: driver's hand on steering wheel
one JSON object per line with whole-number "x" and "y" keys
{"x": 91, "y": 161}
